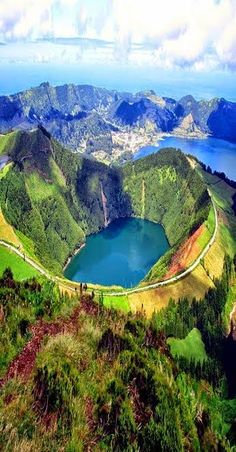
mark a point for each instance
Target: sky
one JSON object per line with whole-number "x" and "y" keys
{"x": 199, "y": 35}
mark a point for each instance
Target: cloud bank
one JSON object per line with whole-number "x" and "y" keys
{"x": 199, "y": 34}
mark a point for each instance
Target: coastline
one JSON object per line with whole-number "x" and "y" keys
{"x": 76, "y": 251}
{"x": 128, "y": 142}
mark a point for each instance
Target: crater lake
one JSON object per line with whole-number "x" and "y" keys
{"x": 122, "y": 254}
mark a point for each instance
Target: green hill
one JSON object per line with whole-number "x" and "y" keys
{"x": 56, "y": 198}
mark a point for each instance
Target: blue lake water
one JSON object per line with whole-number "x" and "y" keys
{"x": 220, "y": 155}
{"x": 121, "y": 254}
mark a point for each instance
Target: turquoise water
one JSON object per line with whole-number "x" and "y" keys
{"x": 121, "y": 254}
{"x": 220, "y": 155}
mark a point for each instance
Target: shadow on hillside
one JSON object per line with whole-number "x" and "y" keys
{"x": 95, "y": 177}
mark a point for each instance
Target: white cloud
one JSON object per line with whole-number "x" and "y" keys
{"x": 192, "y": 33}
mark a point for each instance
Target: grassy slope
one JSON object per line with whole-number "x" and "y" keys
{"x": 21, "y": 270}
{"x": 6, "y": 141}
{"x": 174, "y": 193}
{"x": 120, "y": 303}
{"x": 208, "y": 230}
{"x": 192, "y": 347}
{"x": 4, "y": 170}
{"x": 7, "y": 232}
{"x": 197, "y": 283}
{"x": 42, "y": 215}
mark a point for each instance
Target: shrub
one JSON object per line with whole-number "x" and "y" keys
{"x": 57, "y": 376}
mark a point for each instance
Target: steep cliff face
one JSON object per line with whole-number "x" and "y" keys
{"x": 138, "y": 111}
{"x": 222, "y": 120}
{"x": 189, "y": 127}
{"x": 164, "y": 188}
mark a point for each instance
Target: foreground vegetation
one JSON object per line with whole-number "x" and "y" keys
{"x": 84, "y": 377}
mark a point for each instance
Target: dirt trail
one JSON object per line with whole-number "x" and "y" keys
{"x": 23, "y": 365}
{"x": 182, "y": 258}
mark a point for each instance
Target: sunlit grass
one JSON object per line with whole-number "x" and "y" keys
{"x": 114, "y": 302}
{"x": 192, "y": 347}
{"x": 21, "y": 269}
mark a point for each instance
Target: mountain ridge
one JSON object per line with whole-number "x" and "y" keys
{"x": 102, "y": 122}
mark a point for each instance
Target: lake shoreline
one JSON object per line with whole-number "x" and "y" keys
{"x": 219, "y": 154}
{"x": 71, "y": 256}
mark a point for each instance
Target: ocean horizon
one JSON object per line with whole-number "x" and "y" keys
{"x": 125, "y": 78}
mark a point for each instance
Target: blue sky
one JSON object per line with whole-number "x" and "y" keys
{"x": 199, "y": 35}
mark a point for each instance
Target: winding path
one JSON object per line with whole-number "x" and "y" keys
{"x": 181, "y": 275}
{"x": 124, "y": 292}
{"x": 35, "y": 265}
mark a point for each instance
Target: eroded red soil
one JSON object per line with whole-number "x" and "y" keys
{"x": 185, "y": 254}
{"x": 23, "y": 365}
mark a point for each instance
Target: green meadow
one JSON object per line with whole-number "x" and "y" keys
{"x": 192, "y": 347}
{"x": 21, "y": 270}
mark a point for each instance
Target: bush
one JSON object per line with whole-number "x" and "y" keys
{"x": 57, "y": 376}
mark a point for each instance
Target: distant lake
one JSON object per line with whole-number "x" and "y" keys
{"x": 122, "y": 254}
{"x": 220, "y": 155}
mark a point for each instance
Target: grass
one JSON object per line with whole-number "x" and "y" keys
{"x": 214, "y": 259}
{"x": 39, "y": 189}
{"x": 228, "y": 239}
{"x": 5, "y": 140}
{"x": 57, "y": 174}
{"x": 222, "y": 192}
{"x": 120, "y": 303}
{"x": 208, "y": 230}
{"x": 28, "y": 245}
{"x": 21, "y": 269}
{"x": 195, "y": 284}
{"x": 4, "y": 170}
{"x": 7, "y": 232}
{"x": 191, "y": 348}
